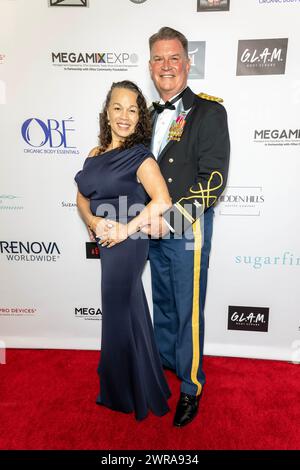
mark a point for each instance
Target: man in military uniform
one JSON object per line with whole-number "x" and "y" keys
{"x": 191, "y": 144}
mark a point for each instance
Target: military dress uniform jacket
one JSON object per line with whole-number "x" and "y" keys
{"x": 195, "y": 166}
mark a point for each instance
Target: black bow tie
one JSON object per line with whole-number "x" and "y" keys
{"x": 159, "y": 108}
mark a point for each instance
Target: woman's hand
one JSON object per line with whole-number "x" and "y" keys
{"x": 91, "y": 235}
{"x": 114, "y": 232}
{"x": 96, "y": 227}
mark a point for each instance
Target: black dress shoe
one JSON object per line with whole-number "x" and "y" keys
{"x": 187, "y": 409}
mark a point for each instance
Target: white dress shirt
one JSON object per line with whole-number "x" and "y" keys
{"x": 163, "y": 122}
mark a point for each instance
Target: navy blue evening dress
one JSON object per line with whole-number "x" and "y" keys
{"x": 130, "y": 371}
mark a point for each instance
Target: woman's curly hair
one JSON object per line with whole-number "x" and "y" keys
{"x": 142, "y": 132}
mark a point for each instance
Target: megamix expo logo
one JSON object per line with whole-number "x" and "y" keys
{"x": 88, "y": 313}
{"x": 49, "y": 136}
{"x": 277, "y": 137}
{"x": 248, "y": 318}
{"x": 30, "y": 251}
{"x": 262, "y": 56}
{"x": 241, "y": 201}
{"x": 197, "y": 57}
{"x": 95, "y": 61}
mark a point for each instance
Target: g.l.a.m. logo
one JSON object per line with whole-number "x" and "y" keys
{"x": 248, "y": 318}
{"x": 262, "y": 56}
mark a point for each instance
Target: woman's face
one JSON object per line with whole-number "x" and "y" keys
{"x": 123, "y": 114}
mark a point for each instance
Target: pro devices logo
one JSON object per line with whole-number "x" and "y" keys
{"x": 262, "y": 56}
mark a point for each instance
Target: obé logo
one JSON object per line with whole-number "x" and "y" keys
{"x": 38, "y": 133}
{"x": 248, "y": 318}
{"x": 262, "y": 56}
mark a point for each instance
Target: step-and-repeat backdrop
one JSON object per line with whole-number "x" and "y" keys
{"x": 57, "y": 61}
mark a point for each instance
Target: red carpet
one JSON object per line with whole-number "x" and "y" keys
{"x": 47, "y": 401}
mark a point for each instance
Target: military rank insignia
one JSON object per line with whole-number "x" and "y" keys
{"x": 176, "y": 128}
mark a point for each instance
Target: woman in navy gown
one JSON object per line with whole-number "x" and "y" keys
{"x": 119, "y": 173}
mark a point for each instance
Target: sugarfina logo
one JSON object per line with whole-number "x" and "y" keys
{"x": 287, "y": 259}
{"x": 30, "y": 251}
{"x": 49, "y": 137}
{"x": 197, "y": 58}
{"x": 262, "y": 56}
{"x": 277, "y": 137}
{"x": 241, "y": 201}
{"x": 248, "y": 318}
{"x": 68, "y": 3}
{"x": 8, "y": 202}
{"x": 17, "y": 312}
{"x": 88, "y": 313}
{"x": 95, "y": 61}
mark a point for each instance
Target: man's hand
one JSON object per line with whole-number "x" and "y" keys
{"x": 157, "y": 228}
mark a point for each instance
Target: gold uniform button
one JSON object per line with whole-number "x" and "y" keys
{"x": 170, "y": 180}
{"x": 171, "y": 160}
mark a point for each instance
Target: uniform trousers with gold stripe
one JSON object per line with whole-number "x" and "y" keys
{"x": 179, "y": 278}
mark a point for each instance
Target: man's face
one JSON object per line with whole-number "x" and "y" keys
{"x": 169, "y": 67}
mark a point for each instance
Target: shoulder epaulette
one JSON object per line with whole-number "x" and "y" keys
{"x": 204, "y": 96}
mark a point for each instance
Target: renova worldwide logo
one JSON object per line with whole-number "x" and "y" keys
{"x": 117, "y": 61}
{"x": 50, "y": 136}
{"x": 30, "y": 251}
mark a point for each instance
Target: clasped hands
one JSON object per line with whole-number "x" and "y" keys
{"x": 110, "y": 232}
